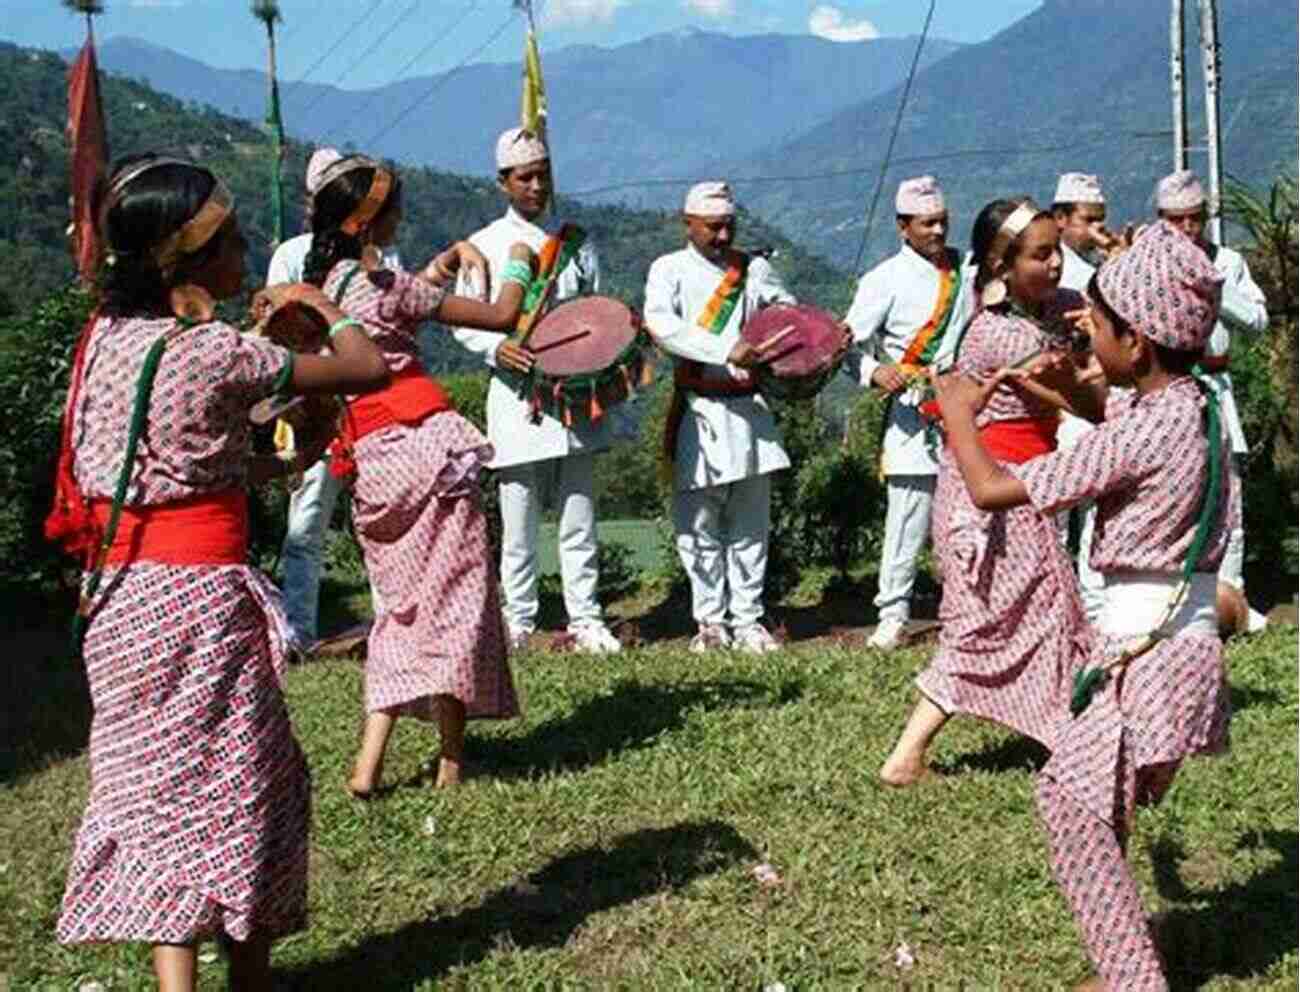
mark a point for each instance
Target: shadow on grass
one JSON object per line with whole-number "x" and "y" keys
{"x": 1244, "y": 697}
{"x": 1243, "y": 928}
{"x": 44, "y": 699}
{"x": 631, "y": 715}
{"x": 1016, "y": 754}
{"x": 541, "y": 910}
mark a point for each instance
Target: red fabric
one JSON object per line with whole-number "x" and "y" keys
{"x": 69, "y": 522}
{"x": 409, "y": 398}
{"x": 205, "y": 530}
{"x": 1020, "y": 440}
{"x": 89, "y": 144}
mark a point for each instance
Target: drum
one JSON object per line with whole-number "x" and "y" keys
{"x": 591, "y": 354}
{"x": 800, "y": 346}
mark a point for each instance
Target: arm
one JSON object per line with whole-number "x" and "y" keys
{"x": 588, "y": 263}
{"x": 1243, "y": 306}
{"x": 664, "y": 321}
{"x": 766, "y": 286}
{"x": 866, "y": 317}
{"x": 991, "y": 487}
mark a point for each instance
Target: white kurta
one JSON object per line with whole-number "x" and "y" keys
{"x": 516, "y": 439}
{"x": 893, "y": 301}
{"x": 723, "y": 438}
{"x": 1076, "y": 271}
{"x": 1242, "y": 309}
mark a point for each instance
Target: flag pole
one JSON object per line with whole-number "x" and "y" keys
{"x": 268, "y": 12}
{"x": 533, "y": 110}
{"x": 87, "y": 146}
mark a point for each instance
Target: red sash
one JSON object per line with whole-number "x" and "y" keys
{"x": 409, "y": 397}
{"x": 211, "y": 529}
{"x": 1020, "y": 440}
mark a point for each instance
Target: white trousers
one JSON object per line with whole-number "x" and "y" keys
{"x": 722, "y": 534}
{"x": 910, "y": 499}
{"x": 524, "y": 490}
{"x": 1234, "y": 558}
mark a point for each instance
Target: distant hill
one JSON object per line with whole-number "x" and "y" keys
{"x": 675, "y": 104}
{"x": 439, "y": 207}
{"x": 1076, "y": 85}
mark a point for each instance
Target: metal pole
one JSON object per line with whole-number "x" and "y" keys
{"x": 1176, "y": 88}
{"x": 1210, "y": 67}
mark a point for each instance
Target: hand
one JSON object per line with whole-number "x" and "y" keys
{"x": 512, "y": 356}
{"x": 889, "y": 378}
{"x": 743, "y": 356}
{"x": 271, "y": 298}
{"x": 520, "y": 252}
{"x": 845, "y": 343}
{"x": 473, "y": 267}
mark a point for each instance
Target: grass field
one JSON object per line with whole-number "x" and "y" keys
{"x": 640, "y": 537}
{"x": 659, "y": 820}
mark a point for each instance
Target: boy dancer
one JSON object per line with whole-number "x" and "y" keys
{"x": 722, "y": 438}
{"x": 907, "y": 315}
{"x": 546, "y": 459}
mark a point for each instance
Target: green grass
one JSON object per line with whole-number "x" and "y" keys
{"x": 609, "y": 838}
{"x": 641, "y": 537}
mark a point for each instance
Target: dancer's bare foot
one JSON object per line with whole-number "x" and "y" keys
{"x": 1093, "y": 984}
{"x": 903, "y": 771}
{"x": 449, "y": 773}
{"x": 359, "y": 788}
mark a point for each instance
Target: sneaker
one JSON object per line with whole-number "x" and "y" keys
{"x": 754, "y": 638}
{"x": 888, "y": 634}
{"x": 711, "y": 637}
{"x": 594, "y": 637}
{"x": 1256, "y": 622}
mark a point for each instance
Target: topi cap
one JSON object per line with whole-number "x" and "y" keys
{"x": 919, "y": 197}
{"x": 1078, "y": 187}
{"x": 711, "y": 199}
{"x": 1180, "y": 191}
{"x": 518, "y": 147}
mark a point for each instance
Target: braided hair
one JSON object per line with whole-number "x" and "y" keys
{"x": 331, "y": 206}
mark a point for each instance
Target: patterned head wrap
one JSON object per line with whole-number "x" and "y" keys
{"x": 190, "y": 236}
{"x": 710, "y": 199}
{"x": 919, "y": 197}
{"x": 1165, "y": 287}
{"x": 380, "y": 186}
{"x": 518, "y": 147}
{"x": 321, "y": 160}
{"x": 1180, "y": 190}
{"x": 1078, "y": 187}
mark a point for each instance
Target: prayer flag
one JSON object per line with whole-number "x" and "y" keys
{"x": 89, "y": 153}
{"x": 532, "y": 110}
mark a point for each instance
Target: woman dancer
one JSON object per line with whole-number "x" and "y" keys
{"x": 1155, "y": 692}
{"x": 1010, "y": 615}
{"x": 196, "y": 825}
{"x": 436, "y": 649}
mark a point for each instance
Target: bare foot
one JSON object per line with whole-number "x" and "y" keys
{"x": 904, "y": 771}
{"x": 1093, "y": 984}
{"x": 359, "y": 787}
{"x": 449, "y": 773}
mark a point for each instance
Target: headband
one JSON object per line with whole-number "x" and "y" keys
{"x": 368, "y": 209}
{"x": 190, "y": 236}
{"x": 1012, "y": 228}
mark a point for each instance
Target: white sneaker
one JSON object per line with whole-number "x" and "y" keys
{"x": 754, "y": 638}
{"x": 888, "y": 634}
{"x": 711, "y": 637}
{"x": 1256, "y": 622}
{"x": 595, "y": 637}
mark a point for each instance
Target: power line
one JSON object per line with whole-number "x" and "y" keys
{"x": 337, "y": 128}
{"x": 351, "y": 30}
{"x": 893, "y": 135}
{"x": 404, "y": 15}
{"x": 443, "y": 80}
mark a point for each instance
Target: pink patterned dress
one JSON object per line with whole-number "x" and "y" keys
{"x": 418, "y": 514}
{"x": 199, "y": 799}
{"x": 1012, "y": 624}
{"x": 1146, "y": 467}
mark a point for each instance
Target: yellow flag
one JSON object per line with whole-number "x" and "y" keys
{"x": 532, "y": 108}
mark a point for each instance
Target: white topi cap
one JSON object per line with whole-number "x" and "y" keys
{"x": 1078, "y": 187}
{"x": 1180, "y": 190}
{"x": 919, "y": 197}
{"x": 518, "y": 147}
{"x": 711, "y": 199}
{"x": 320, "y": 160}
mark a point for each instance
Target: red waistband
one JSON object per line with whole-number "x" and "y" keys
{"x": 408, "y": 399}
{"x": 1018, "y": 441}
{"x": 211, "y": 529}
{"x": 691, "y": 375}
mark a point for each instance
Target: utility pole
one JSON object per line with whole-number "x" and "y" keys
{"x": 1176, "y": 86}
{"x": 1210, "y": 66}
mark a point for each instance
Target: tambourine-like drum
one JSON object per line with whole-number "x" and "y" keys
{"x": 590, "y": 354}
{"x": 800, "y": 348}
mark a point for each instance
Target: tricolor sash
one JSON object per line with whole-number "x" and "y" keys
{"x": 557, "y": 252}
{"x": 925, "y": 343}
{"x": 722, "y": 304}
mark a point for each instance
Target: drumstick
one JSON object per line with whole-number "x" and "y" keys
{"x": 555, "y": 344}
{"x": 775, "y": 339}
{"x": 264, "y": 411}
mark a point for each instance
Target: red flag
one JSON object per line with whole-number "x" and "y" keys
{"x": 89, "y": 144}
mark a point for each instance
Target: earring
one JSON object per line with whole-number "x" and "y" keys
{"x": 372, "y": 259}
{"x": 993, "y": 293}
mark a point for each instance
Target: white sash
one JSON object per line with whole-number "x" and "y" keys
{"x": 1136, "y": 603}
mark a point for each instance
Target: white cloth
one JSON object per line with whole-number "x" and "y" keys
{"x": 893, "y": 301}
{"x": 1135, "y": 603}
{"x": 524, "y": 489}
{"x": 1243, "y": 309}
{"x": 722, "y": 539}
{"x": 909, "y": 503}
{"x": 288, "y": 260}
{"x": 1076, "y": 271}
{"x": 722, "y": 439}
{"x": 516, "y": 439}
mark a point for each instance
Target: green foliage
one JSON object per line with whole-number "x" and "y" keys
{"x": 35, "y": 360}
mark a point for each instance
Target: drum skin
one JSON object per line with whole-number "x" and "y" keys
{"x": 800, "y": 364}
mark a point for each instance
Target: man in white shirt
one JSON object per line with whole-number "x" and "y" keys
{"x": 1079, "y": 208}
{"x": 538, "y": 462}
{"x": 907, "y": 316}
{"x": 1180, "y": 199}
{"x": 722, "y": 439}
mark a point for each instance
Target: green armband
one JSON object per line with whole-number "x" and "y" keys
{"x": 517, "y": 271}
{"x": 343, "y": 322}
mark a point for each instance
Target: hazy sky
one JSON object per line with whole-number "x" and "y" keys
{"x": 360, "y": 43}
